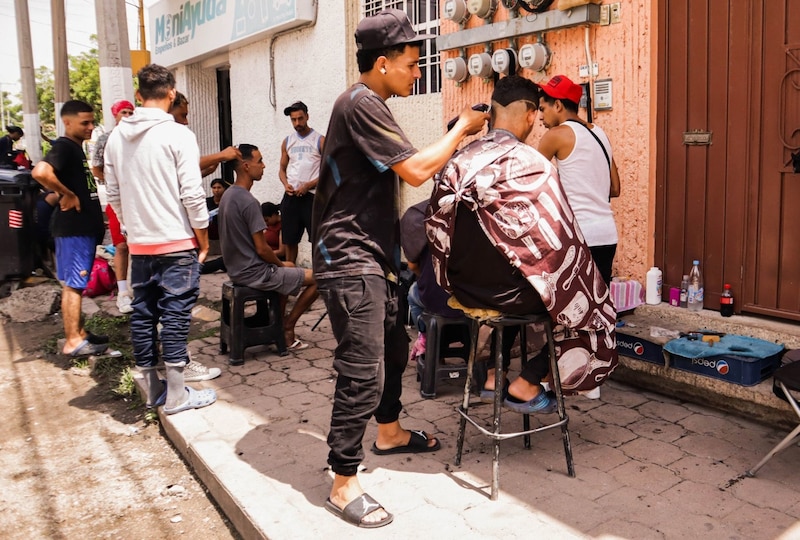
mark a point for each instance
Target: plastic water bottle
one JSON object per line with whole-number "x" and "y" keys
{"x": 726, "y": 302}
{"x": 653, "y": 289}
{"x": 684, "y": 291}
{"x": 695, "y": 297}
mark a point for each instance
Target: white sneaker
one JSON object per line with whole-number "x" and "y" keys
{"x": 124, "y": 300}
{"x": 195, "y": 372}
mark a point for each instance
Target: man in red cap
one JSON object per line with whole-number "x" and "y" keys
{"x": 356, "y": 253}
{"x": 585, "y": 164}
{"x": 120, "y": 109}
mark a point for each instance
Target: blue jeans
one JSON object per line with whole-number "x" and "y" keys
{"x": 165, "y": 289}
{"x": 416, "y": 307}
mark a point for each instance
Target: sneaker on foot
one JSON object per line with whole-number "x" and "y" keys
{"x": 124, "y": 302}
{"x": 195, "y": 372}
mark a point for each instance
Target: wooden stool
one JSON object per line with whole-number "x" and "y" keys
{"x": 497, "y": 324}
{"x": 240, "y": 332}
{"x": 442, "y": 333}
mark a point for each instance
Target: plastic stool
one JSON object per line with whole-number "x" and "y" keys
{"x": 442, "y": 334}
{"x": 496, "y": 435}
{"x": 240, "y": 332}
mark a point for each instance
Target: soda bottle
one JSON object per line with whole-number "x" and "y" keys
{"x": 684, "y": 291}
{"x": 695, "y": 298}
{"x": 726, "y": 302}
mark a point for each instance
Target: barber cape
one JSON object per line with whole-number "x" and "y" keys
{"x": 522, "y": 208}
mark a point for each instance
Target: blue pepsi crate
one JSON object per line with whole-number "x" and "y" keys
{"x": 735, "y": 369}
{"x": 634, "y": 346}
{"x": 732, "y": 364}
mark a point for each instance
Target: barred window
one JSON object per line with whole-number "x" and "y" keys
{"x": 424, "y": 17}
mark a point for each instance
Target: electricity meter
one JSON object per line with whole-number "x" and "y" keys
{"x": 456, "y": 10}
{"x": 455, "y": 69}
{"x": 481, "y": 8}
{"x": 504, "y": 61}
{"x": 480, "y": 65}
{"x": 535, "y": 56}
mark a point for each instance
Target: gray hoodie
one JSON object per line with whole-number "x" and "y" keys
{"x": 153, "y": 182}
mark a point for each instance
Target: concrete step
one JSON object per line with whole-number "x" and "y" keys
{"x": 756, "y": 402}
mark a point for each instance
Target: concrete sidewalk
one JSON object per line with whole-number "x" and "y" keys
{"x": 647, "y": 466}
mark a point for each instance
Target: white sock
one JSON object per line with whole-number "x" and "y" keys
{"x": 122, "y": 286}
{"x": 176, "y": 391}
{"x": 152, "y": 384}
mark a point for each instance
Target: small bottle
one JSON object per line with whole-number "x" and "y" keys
{"x": 695, "y": 298}
{"x": 726, "y": 302}
{"x": 684, "y": 291}
{"x": 653, "y": 289}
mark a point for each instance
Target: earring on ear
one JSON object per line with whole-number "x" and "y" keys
{"x": 383, "y": 70}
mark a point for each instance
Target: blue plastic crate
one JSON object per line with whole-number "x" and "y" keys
{"x": 737, "y": 359}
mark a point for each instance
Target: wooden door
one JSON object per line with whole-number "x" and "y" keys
{"x": 727, "y": 80}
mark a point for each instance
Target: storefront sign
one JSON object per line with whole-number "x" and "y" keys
{"x": 184, "y": 31}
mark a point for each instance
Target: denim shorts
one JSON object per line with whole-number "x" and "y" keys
{"x": 74, "y": 259}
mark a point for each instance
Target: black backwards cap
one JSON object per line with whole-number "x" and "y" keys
{"x": 296, "y": 106}
{"x": 386, "y": 29}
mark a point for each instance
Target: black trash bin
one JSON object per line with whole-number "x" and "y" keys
{"x": 19, "y": 249}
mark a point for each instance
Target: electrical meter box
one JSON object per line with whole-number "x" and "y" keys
{"x": 603, "y": 95}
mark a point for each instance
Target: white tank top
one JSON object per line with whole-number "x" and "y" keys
{"x": 586, "y": 178}
{"x": 304, "y": 157}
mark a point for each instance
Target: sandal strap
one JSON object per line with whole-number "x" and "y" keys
{"x": 358, "y": 508}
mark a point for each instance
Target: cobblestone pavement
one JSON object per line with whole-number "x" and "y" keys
{"x": 647, "y": 466}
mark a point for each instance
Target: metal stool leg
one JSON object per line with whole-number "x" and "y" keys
{"x": 523, "y": 349}
{"x": 787, "y": 441}
{"x": 462, "y": 426}
{"x": 562, "y": 412}
{"x": 319, "y": 320}
{"x": 497, "y": 332}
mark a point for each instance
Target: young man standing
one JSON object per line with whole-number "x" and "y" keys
{"x": 153, "y": 183}
{"x": 356, "y": 253}
{"x": 586, "y": 166}
{"x": 248, "y": 258}
{"x": 120, "y": 110}
{"x": 299, "y": 173}
{"x": 77, "y": 226}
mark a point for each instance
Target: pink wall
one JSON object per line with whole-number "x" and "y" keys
{"x": 625, "y": 53}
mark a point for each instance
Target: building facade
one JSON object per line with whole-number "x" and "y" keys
{"x": 699, "y": 98}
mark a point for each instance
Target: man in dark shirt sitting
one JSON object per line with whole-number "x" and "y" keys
{"x": 248, "y": 258}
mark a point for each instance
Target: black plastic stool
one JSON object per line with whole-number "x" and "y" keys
{"x": 497, "y": 324}
{"x": 446, "y": 338}
{"x": 240, "y": 332}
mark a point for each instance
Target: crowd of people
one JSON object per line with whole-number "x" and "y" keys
{"x": 505, "y": 229}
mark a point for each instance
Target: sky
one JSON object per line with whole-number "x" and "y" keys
{"x": 81, "y": 24}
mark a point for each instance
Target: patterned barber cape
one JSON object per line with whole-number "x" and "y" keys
{"x": 522, "y": 208}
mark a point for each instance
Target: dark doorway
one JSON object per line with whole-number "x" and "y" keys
{"x": 225, "y": 124}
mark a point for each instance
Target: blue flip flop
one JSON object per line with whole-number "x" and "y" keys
{"x": 543, "y": 403}
{"x": 87, "y": 348}
{"x": 487, "y": 396}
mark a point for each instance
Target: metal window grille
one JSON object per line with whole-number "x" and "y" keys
{"x": 424, "y": 17}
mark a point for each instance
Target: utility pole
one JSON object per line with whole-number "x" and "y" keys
{"x": 30, "y": 105}
{"x": 116, "y": 77}
{"x": 60, "y": 61}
